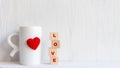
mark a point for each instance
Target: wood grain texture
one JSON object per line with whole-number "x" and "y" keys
{"x": 89, "y": 30}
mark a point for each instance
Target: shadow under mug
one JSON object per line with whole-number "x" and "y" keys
{"x": 29, "y": 45}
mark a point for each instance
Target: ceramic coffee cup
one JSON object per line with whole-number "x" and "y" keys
{"x": 29, "y": 45}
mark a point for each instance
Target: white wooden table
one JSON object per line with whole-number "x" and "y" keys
{"x": 64, "y": 65}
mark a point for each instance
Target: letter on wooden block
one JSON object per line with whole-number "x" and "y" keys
{"x": 53, "y": 35}
{"x": 54, "y": 60}
{"x": 52, "y": 52}
{"x": 55, "y": 43}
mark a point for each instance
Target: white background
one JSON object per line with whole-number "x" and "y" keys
{"x": 89, "y": 30}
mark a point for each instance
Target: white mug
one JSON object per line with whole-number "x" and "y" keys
{"x": 29, "y": 45}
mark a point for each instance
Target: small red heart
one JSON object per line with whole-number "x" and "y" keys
{"x": 33, "y": 43}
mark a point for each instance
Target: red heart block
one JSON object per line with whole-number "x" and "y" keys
{"x": 33, "y": 43}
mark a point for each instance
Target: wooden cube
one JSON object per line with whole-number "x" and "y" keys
{"x": 54, "y": 60}
{"x": 55, "y": 43}
{"x": 52, "y": 52}
{"x": 53, "y": 36}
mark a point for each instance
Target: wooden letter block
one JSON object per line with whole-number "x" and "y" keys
{"x": 55, "y": 43}
{"x": 53, "y": 35}
{"x": 52, "y": 52}
{"x": 54, "y": 60}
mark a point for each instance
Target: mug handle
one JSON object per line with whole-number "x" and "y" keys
{"x": 15, "y": 47}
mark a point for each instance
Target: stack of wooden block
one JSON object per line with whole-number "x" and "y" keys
{"x": 53, "y": 49}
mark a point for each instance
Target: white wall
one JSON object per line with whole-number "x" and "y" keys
{"x": 89, "y": 30}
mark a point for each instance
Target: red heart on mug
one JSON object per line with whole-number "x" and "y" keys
{"x": 33, "y": 43}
